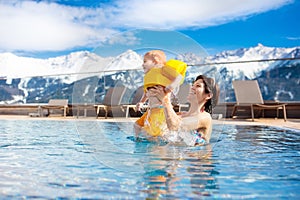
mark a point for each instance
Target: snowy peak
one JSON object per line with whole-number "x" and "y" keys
{"x": 85, "y": 62}
{"x": 77, "y": 62}
{"x": 253, "y": 53}
{"x": 253, "y": 69}
{"x": 190, "y": 58}
{"x": 126, "y": 61}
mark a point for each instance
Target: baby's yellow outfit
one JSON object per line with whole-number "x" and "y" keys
{"x": 173, "y": 73}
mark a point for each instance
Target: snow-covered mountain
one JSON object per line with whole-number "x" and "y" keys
{"x": 238, "y": 60}
{"x": 24, "y": 79}
{"x": 82, "y": 62}
{"x": 85, "y": 62}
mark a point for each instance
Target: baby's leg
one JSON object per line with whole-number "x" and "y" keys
{"x": 138, "y": 125}
{"x": 137, "y": 129}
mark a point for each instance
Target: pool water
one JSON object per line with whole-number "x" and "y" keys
{"x": 44, "y": 159}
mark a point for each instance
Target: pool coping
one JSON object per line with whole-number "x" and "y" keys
{"x": 280, "y": 123}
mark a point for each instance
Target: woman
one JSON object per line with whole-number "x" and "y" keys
{"x": 197, "y": 122}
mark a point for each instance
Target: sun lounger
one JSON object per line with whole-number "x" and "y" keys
{"x": 182, "y": 96}
{"x": 248, "y": 94}
{"x": 136, "y": 98}
{"x": 112, "y": 99}
{"x": 58, "y": 104}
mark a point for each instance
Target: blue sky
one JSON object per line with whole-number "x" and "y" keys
{"x": 47, "y": 28}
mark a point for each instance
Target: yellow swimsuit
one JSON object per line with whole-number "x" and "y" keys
{"x": 154, "y": 121}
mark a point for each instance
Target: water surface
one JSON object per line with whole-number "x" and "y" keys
{"x": 94, "y": 159}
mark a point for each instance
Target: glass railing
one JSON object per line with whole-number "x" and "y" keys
{"x": 278, "y": 80}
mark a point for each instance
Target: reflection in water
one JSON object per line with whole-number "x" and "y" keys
{"x": 202, "y": 172}
{"x": 268, "y": 140}
{"x": 177, "y": 171}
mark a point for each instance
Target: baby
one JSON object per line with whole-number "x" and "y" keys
{"x": 158, "y": 72}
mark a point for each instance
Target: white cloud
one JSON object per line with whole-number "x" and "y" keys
{"x": 35, "y": 26}
{"x": 189, "y": 13}
{"x": 293, "y": 38}
{"x": 40, "y": 26}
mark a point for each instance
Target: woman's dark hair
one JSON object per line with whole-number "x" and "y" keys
{"x": 210, "y": 88}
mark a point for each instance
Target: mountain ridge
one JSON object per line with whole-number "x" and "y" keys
{"x": 25, "y": 79}
{"x": 75, "y": 62}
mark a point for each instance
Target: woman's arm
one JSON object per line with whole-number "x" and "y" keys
{"x": 172, "y": 119}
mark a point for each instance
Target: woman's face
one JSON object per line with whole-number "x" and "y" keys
{"x": 197, "y": 92}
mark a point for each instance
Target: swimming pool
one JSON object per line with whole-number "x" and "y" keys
{"x": 98, "y": 160}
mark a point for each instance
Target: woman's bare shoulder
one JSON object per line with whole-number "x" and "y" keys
{"x": 205, "y": 119}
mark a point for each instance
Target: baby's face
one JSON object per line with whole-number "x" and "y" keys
{"x": 148, "y": 64}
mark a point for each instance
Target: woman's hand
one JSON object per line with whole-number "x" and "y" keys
{"x": 159, "y": 93}
{"x": 173, "y": 121}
